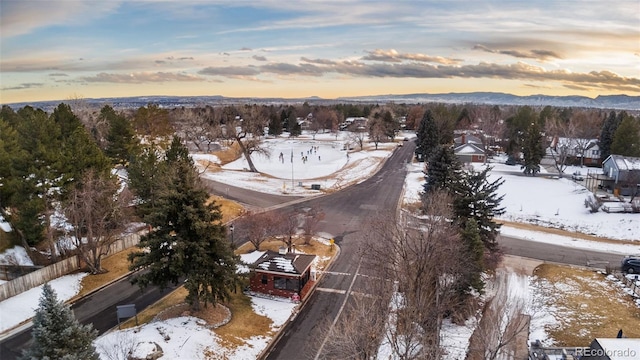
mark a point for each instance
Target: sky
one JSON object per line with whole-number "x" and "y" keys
{"x": 68, "y": 49}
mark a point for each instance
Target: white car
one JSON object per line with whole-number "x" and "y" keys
{"x": 577, "y": 176}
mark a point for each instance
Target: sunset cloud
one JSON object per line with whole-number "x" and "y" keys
{"x": 139, "y": 78}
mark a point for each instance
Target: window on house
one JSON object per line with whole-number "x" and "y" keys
{"x": 279, "y": 283}
{"x": 293, "y": 284}
{"x": 265, "y": 279}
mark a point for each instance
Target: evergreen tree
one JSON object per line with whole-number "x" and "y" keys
{"x": 10, "y": 156}
{"x": 57, "y": 334}
{"x": 186, "y": 238}
{"x": 428, "y": 137}
{"x": 67, "y": 121}
{"x": 391, "y": 126}
{"x": 36, "y": 174}
{"x": 275, "y": 124}
{"x": 476, "y": 198}
{"x": 472, "y": 277}
{"x": 626, "y": 139}
{"x": 532, "y": 149}
{"x": 294, "y": 128}
{"x": 443, "y": 170}
{"x": 516, "y": 128}
{"x": 122, "y": 143}
{"x": 606, "y": 135}
{"x": 81, "y": 153}
{"x": 148, "y": 178}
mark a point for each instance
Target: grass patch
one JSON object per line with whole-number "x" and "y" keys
{"x": 230, "y": 209}
{"x": 5, "y": 240}
{"x": 244, "y": 323}
{"x": 228, "y": 154}
{"x": 585, "y": 305}
{"x": 173, "y": 298}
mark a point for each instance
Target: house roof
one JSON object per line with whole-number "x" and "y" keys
{"x": 625, "y": 162}
{"x": 284, "y": 263}
{"x": 468, "y": 139}
{"x": 468, "y": 149}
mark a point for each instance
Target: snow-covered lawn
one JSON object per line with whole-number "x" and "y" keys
{"x": 20, "y": 308}
{"x": 187, "y": 338}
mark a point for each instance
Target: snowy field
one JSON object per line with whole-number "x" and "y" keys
{"x": 538, "y": 200}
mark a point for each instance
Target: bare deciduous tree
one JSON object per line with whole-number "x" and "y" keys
{"x": 288, "y": 227}
{"x": 327, "y": 118}
{"x": 562, "y": 142}
{"x": 247, "y": 129}
{"x": 198, "y": 126}
{"x": 96, "y": 212}
{"x": 312, "y": 218}
{"x": 505, "y": 319}
{"x": 357, "y": 135}
{"x": 587, "y": 125}
{"x": 257, "y": 227}
{"x": 359, "y": 331}
{"x": 121, "y": 347}
{"x": 414, "y": 116}
{"x": 377, "y": 131}
{"x": 423, "y": 262}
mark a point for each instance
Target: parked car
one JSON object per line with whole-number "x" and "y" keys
{"x": 577, "y": 176}
{"x": 631, "y": 264}
{"x": 511, "y": 161}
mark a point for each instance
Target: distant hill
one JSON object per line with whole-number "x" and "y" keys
{"x": 618, "y": 102}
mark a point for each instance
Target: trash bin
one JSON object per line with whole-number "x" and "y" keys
{"x": 315, "y": 186}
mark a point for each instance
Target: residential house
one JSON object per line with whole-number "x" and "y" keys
{"x": 469, "y": 148}
{"x": 577, "y": 151}
{"x": 282, "y": 274}
{"x": 621, "y": 174}
{"x": 354, "y": 123}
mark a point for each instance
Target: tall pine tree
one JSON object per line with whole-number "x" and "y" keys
{"x": 57, "y": 334}
{"x": 186, "y": 238}
{"x": 626, "y": 139}
{"x": 476, "y": 198}
{"x": 474, "y": 248}
{"x": 122, "y": 143}
{"x": 428, "y": 137}
{"x": 606, "y": 135}
{"x": 533, "y": 148}
{"x": 443, "y": 170}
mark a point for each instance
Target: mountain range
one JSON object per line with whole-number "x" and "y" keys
{"x": 614, "y": 102}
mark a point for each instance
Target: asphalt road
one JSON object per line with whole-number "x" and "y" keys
{"x": 558, "y": 254}
{"x": 346, "y": 213}
{"x": 98, "y": 309}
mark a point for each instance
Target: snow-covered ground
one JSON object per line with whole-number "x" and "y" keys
{"x": 540, "y": 200}
{"x": 186, "y": 338}
{"x": 20, "y": 308}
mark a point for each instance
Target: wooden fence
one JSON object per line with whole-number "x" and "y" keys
{"x": 61, "y": 268}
